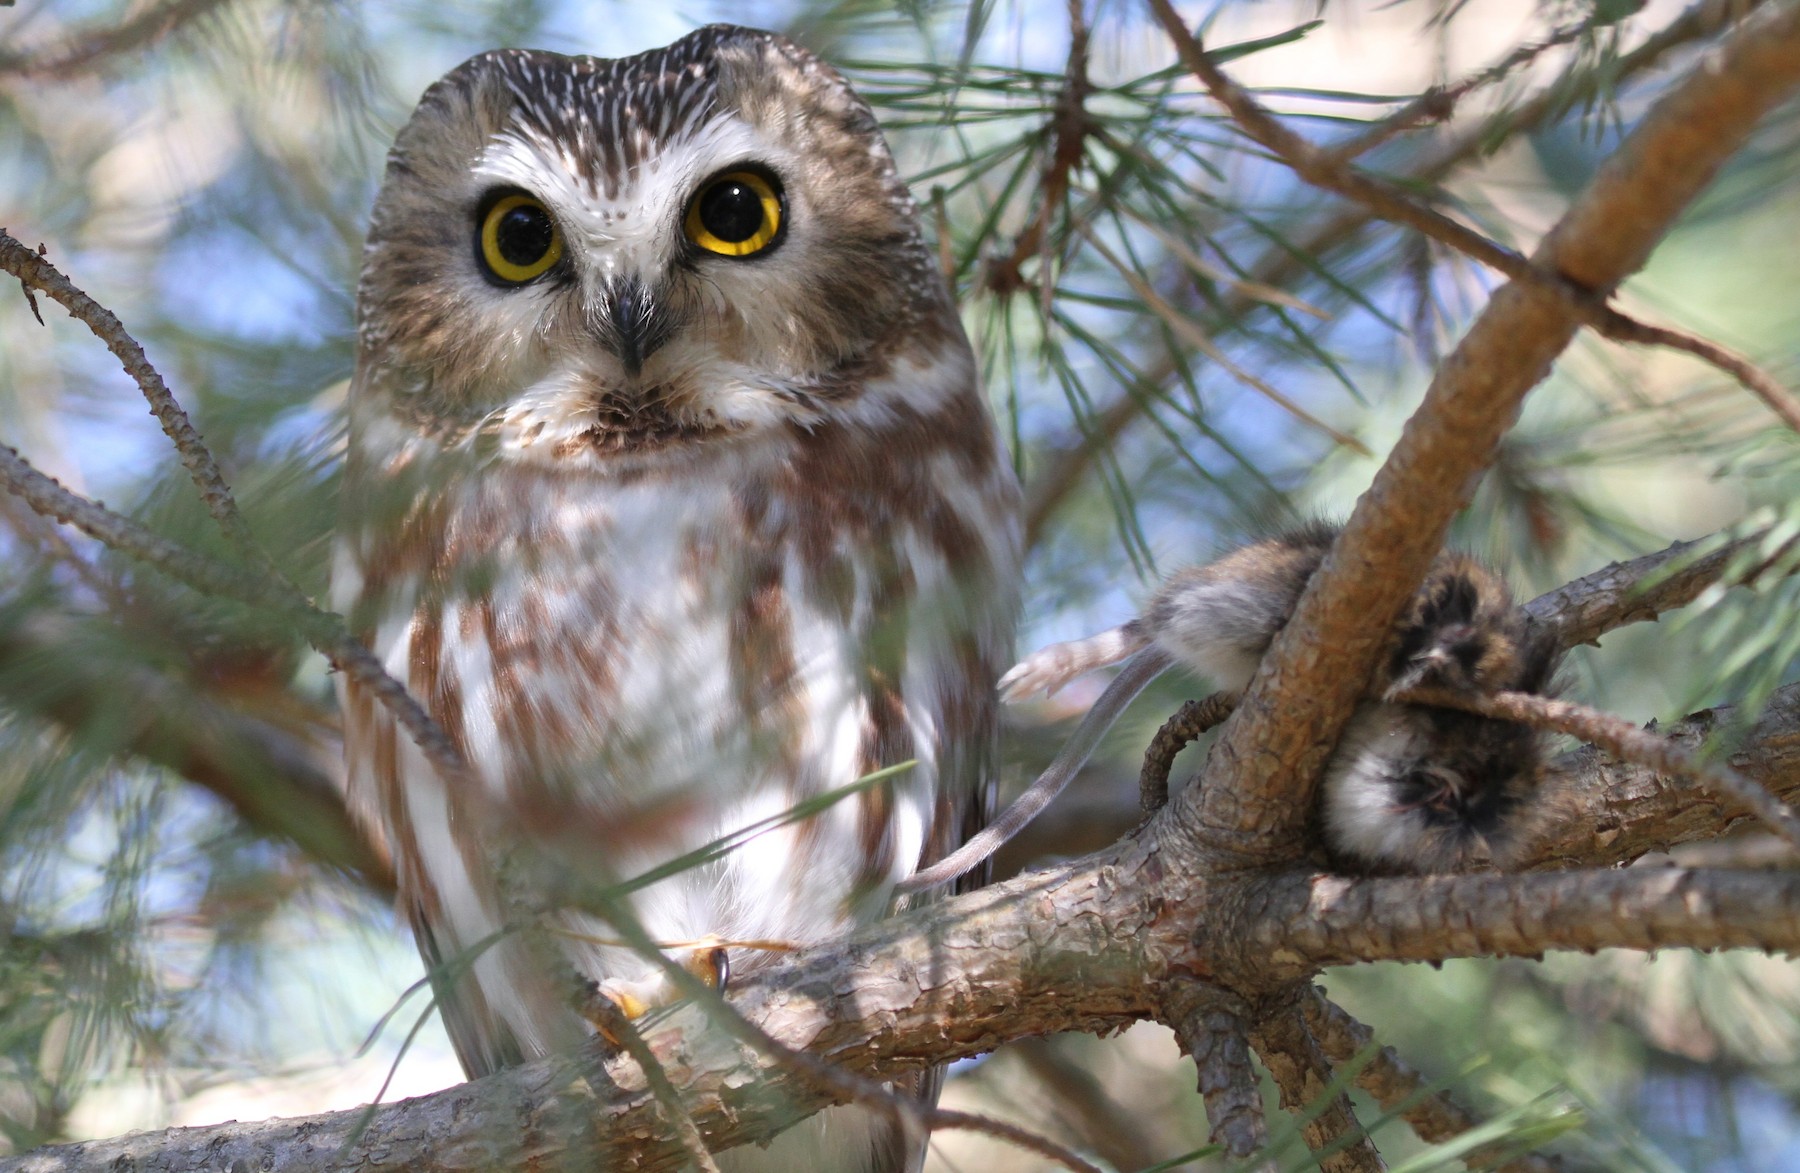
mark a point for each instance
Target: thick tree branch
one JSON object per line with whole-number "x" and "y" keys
{"x": 1310, "y": 921}
{"x": 1077, "y": 948}
{"x": 1261, "y": 774}
{"x": 952, "y": 980}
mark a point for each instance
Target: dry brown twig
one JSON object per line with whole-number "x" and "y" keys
{"x": 33, "y": 270}
{"x": 1439, "y": 103}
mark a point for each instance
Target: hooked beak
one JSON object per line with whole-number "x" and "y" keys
{"x": 630, "y": 322}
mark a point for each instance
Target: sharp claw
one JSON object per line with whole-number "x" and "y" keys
{"x": 710, "y": 963}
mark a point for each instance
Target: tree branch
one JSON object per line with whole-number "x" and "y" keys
{"x": 33, "y": 270}
{"x": 1611, "y": 812}
{"x": 1262, "y": 772}
{"x": 1314, "y": 921}
{"x": 1638, "y": 591}
{"x": 1080, "y": 947}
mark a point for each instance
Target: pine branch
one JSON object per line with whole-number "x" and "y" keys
{"x": 1334, "y": 920}
{"x": 1061, "y": 469}
{"x": 1261, "y": 775}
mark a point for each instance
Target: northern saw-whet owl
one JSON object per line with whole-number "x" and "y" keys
{"x": 1411, "y": 787}
{"x": 672, "y": 495}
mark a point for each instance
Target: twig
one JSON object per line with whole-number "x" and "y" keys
{"x": 1433, "y": 1115}
{"x": 1188, "y": 723}
{"x": 1624, "y": 740}
{"x": 1758, "y": 382}
{"x": 32, "y": 269}
{"x": 1190, "y": 332}
{"x": 323, "y": 630}
{"x": 1638, "y": 591}
{"x": 600, "y": 1010}
{"x": 1068, "y": 130}
{"x": 1326, "y": 169}
{"x": 1212, "y": 1026}
{"x": 1438, "y": 103}
{"x": 65, "y": 59}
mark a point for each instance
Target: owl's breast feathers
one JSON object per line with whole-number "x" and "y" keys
{"x": 639, "y": 660}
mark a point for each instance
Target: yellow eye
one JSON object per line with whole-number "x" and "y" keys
{"x": 735, "y": 215}
{"x": 518, "y": 239}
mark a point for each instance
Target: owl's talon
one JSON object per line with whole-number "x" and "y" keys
{"x": 711, "y": 964}
{"x": 633, "y": 999}
{"x": 620, "y": 1003}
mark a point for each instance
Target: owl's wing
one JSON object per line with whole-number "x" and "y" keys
{"x": 377, "y": 759}
{"x": 482, "y": 1042}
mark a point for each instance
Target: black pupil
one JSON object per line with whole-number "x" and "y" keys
{"x": 524, "y": 235}
{"x": 731, "y": 210}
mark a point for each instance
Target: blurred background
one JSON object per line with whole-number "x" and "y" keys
{"x": 1186, "y": 348}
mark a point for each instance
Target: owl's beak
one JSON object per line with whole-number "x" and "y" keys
{"x": 631, "y": 322}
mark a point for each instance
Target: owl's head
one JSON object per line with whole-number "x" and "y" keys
{"x": 620, "y": 253}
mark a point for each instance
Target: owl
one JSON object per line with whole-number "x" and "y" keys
{"x": 672, "y": 495}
